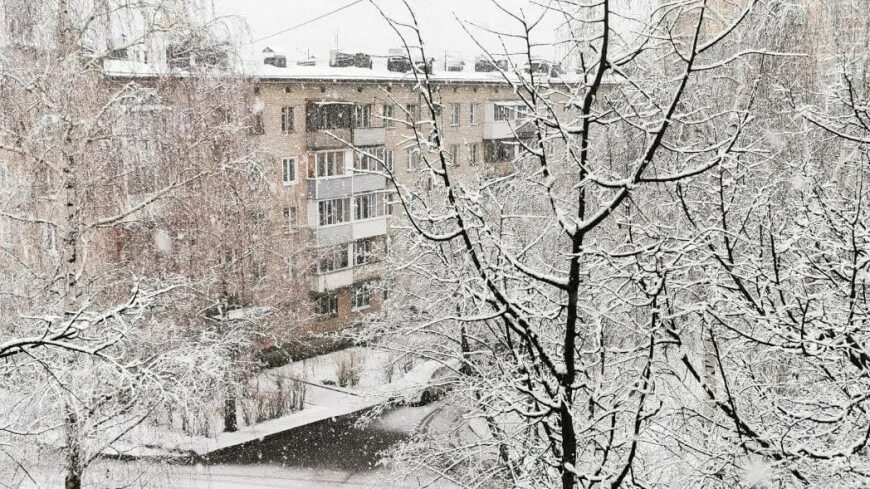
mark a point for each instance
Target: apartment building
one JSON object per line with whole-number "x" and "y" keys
{"x": 333, "y": 134}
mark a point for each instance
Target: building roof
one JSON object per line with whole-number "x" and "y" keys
{"x": 293, "y": 72}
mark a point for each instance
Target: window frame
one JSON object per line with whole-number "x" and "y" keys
{"x": 412, "y": 158}
{"x": 361, "y": 291}
{"x": 288, "y": 120}
{"x": 455, "y": 114}
{"x": 295, "y": 170}
{"x": 337, "y": 165}
{"x": 362, "y": 116}
{"x": 332, "y": 305}
{"x": 374, "y": 206}
{"x": 474, "y": 113}
{"x": 333, "y": 259}
{"x": 363, "y": 251}
{"x": 388, "y": 115}
{"x": 291, "y": 218}
{"x": 337, "y": 211}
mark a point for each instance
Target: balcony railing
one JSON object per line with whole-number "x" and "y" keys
{"x": 328, "y": 139}
{"x": 507, "y": 129}
{"x": 338, "y": 279}
{"x": 347, "y": 231}
{"x": 344, "y": 186}
{"x": 369, "y": 136}
{"x": 332, "y": 280}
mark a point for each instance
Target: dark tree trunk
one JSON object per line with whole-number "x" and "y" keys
{"x": 230, "y": 422}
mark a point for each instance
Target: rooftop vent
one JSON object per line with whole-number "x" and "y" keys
{"x": 338, "y": 59}
{"x": 486, "y": 65}
{"x": 272, "y": 59}
{"x": 454, "y": 65}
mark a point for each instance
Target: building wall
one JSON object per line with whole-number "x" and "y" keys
{"x": 274, "y": 94}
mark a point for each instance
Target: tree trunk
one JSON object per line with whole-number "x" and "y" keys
{"x": 73, "y": 452}
{"x": 230, "y": 422}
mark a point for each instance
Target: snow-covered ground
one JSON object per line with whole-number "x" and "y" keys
{"x": 380, "y": 379}
{"x": 326, "y": 471}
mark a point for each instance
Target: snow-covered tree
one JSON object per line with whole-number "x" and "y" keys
{"x": 107, "y": 296}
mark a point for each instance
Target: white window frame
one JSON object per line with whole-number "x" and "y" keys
{"x": 389, "y": 202}
{"x": 368, "y": 206}
{"x": 333, "y": 211}
{"x": 291, "y": 216}
{"x": 293, "y": 167}
{"x": 362, "y": 116}
{"x": 389, "y": 159}
{"x": 333, "y": 259}
{"x": 454, "y": 154}
{"x": 50, "y": 239}
{"x": 363, "y": 251}
{"x": 412, "y": 158}
{"x": 329, "y": 164}
{"x": 455, "y": 114}
{"x": 473, "y": 113}
{"x": 473, "y": 153}
{"x": 332, "y": 299}
{"x": 370, "y": 158}
{"x": 288, "y": 122}
{"x": 361, "y": 296}
{"x": 387, "y": 114}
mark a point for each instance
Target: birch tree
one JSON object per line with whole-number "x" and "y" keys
{"x": 104, "y": 324}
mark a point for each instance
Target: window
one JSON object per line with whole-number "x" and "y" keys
{"x": 367, "y": 206}
{"x": 330, "y": 164}
{"x": 413, "y": 112}
{"x": 326, "y": 305}
{"x": 362, "y": 296}
{"x": 3, "y": 175}
{"x": 50, "y": 238}
{"x": 287, "y": 125}
{"x": 332, "y": 259}
{"x": 390, "y": 200}
{"x": 363, "y": 116}
{"x": 6, "y": 231}
{"x": 412, "y": 158}
{"x": 258, "y": 219}
{"x": 288, "y": 170}
{"x": 454, "y": 154}
{"x": 363, "y": 251}
{"x": 388, "y": 162}
{"x": 257, "y": 127}
{"x": 369, "y": 159}
{"x": 454, "y": 114}
{"x": 258, "y": 271}
{"x": 290, "y": 218}
{"x": 505, "y": 112}
{"x": 387, "y": 114}
{"x": 289, "y": 268}
{"x": 333, "y": 211}
{"x": 473, "y": 149}
{"x": 473, "y": 110}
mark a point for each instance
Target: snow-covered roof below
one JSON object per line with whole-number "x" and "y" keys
{"x": 379, "y": 72}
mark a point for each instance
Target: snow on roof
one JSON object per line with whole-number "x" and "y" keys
{"x": 294, "y": 72}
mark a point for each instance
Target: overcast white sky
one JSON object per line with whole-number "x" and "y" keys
{"x": 361, "y": 28}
